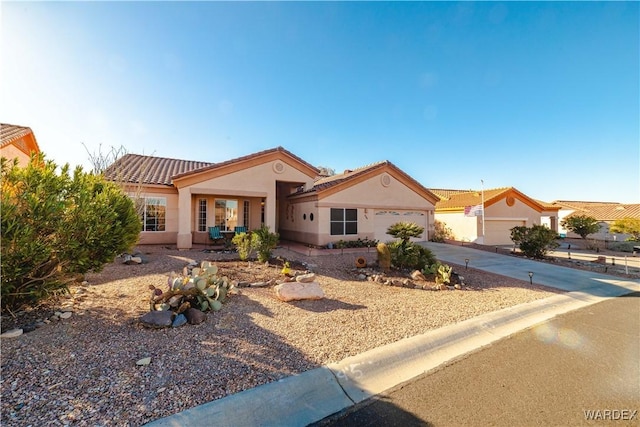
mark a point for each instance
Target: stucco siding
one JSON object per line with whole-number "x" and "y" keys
{"x": 464, "y": 228}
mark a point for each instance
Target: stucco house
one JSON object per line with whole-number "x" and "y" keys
{"x": 181, "y": 199}
{"x": 504, "y": 208}
{"x": 606, "y": 213}
{"x": 18, "y": 142}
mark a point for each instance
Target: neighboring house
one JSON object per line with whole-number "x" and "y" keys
{"x": 606, "y": 213}
{"x": 182, "y": 199}
{"x": 17, "y": 142}
{"x": 504, "y": 208}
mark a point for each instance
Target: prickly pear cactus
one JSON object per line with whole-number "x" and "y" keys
{"x": 201, "y": 288}
{"x": 384, "y": 256}
{"x": 444, "y": 274}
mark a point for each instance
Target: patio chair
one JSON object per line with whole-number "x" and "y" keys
{"x": 214, "y": 234}
{"x": 240, "y": 229}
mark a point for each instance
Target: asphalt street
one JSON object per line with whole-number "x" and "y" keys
{"x": 579, "y": 368}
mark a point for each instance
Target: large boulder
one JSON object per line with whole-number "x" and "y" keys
{"x": 299, "y": 291}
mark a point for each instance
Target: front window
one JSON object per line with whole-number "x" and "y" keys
{"x": 202, "y": 215}
{"x": 245, "y": 213}
{"x": 344, "y": 221}
{"x": 226, "y": 212}
{"x": 154, "y": 213}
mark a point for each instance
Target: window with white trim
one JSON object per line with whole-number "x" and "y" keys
{"x": 154, "y": 213}
{"x": 344, "y": 221}
{"x": 202, "y": 215}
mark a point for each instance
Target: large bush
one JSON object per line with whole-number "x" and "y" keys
{"x": 582, "y": 225}
{"x": 58, "y": 225}
{"x": 535, "y": 241}
{"x": 410, "y": 256}
{"x": 264, "y": 241}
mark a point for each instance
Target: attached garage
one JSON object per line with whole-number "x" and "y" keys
{"x": 385, "y": 218}
{"x": 498, "y": 231}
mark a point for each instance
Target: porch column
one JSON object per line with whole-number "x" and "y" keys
{"x": 184, "y": 219}
{"x": 271, "y": 205}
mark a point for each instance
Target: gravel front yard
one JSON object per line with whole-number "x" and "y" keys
{"x": 82, "y": 370}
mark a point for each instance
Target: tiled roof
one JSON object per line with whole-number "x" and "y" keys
{"x": 608, "y": 211}
{"x": 580, "y": 204}
{"x": 458, "y": 199}
{"x": 9, "y": 133}
{"x": 330, "y": 181}
{"x": 447, "y": 193}
{"x": 138, "y": 169}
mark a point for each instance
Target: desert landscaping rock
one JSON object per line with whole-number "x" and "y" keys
{"x": 306, "y": 278}
{"x": 157, "y": 319}
{"x": 91, "y": 378}
{"x": 195, "y": 316}
{"x": 13, "y": 333}
{"x": 297, "y": 291}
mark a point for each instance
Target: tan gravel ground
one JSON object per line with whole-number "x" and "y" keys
{"x": 82, "y": 371}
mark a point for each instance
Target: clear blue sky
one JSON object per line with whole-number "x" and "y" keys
{"x": 541, "y": 96}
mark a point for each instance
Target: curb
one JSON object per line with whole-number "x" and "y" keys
{"x": 309, "y": 397}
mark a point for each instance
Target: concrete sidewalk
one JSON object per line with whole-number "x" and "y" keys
{"x": 303, "y": 399}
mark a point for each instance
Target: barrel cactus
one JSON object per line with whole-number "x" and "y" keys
{"x": 384, "y": 256}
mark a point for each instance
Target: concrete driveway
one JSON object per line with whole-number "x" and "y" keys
{"x": 567, "y": 279}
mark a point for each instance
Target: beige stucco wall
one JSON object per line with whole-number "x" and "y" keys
{"x": 253, "y": 183}
{"x": 469, "y": 229}
{"x": 167, "y": 237}
{"x": 366, "y": 196}
{"x": 464, "y": 228}
{"x": 11, "y": 152}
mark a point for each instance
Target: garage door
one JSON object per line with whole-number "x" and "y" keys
{"x": 498, "y": 232}
{"x": 385, "y": 218}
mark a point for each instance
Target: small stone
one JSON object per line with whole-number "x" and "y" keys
{"x": 13, "y": 333}
{"x": 457, "y": 286}
{"x": 259, "y": 284}
{"x": 306, "y": 278}
{"x": 65, "y": 314}
{"x": 180, "y": 320}
{"x": 144, "y": 361}
{"x": 362, "y": 277}
{"x": 195, "y": 316}
{"x": 417, "y": 275}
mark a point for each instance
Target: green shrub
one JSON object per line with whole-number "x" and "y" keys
{"x": 626, "y": 246}
{"x": 264, "y": 241}
{"x": 535, "y": 241}
{"x": 410, "y": 255}
{"x": 442, "y": 272}
{"x": 56, "y": 226}
{"x": 358, "y": 243}
{"x": 441, "y": 232}
{"x": 243, "y": 245}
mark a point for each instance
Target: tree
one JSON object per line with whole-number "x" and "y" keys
{"x": 405, "y": 230}
{"x": 582, "y": 225}
{"x": 56, "y": 226}
{"x": 627, "y": 226}
{"x": 535, "y": 241}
